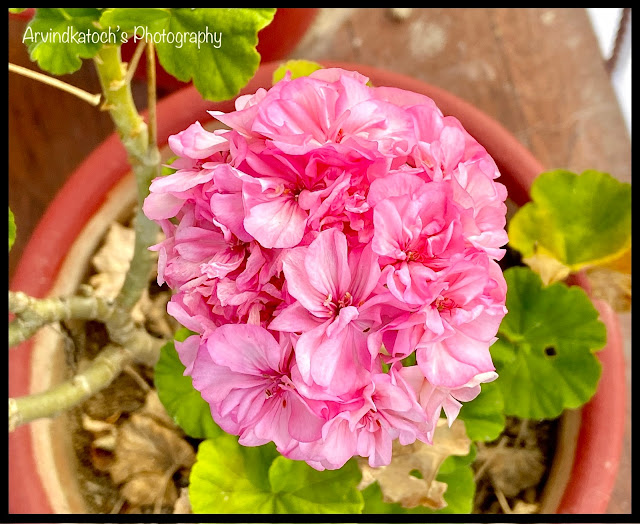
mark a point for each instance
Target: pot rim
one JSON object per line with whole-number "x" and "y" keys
{"x": 599, "y": 445}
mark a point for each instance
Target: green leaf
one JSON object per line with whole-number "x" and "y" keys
{"x": 545, "y": 353}
{"x": 373, "y": 503}
{"x": 299, "y": 488}
{"x": 230, "y": 478}
{"x": 166, "y": 167}
{"x": 579, "y": 220}
{"x": 484, "y": 416}
{"x": 298, "y": 68}
{"x": 181, "y": 400}
{"x": 455, "y": 471}
{"x": 12, "y": 229}
{"x": 130, "y": 18}
{"x": 59, "y": 38}
{"x": 216, "y": 47}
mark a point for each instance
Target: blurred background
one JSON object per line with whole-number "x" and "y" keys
{"x": 557, "y": 78}
{"x": 612, "y": 26}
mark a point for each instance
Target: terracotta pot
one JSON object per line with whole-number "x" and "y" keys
{"x": 41, "y": 478}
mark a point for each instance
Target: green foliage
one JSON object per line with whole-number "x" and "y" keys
{"x": 230, "y": 478}
{"x": 578, "y": 220}
{"x": 166, "y": 167}
{"x": 219, "y": 67}
{"x": 298, "y": 68}
{"x": 12, "y": 229}
{"x": 181, "y": 400}
{"x": 545, "y": 352}
{"x": 298, "y": 488}
{"x": 484, "y": 417}
{"x": 59, "y": 38}
{"x": 455, "y": 471}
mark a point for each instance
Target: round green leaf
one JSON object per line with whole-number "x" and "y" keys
{"x": 12, "y": 229}
{"x": 181, "y": 400}
{"x": 580, "y": 220}
{"x": 214, "y": 47}
{"x": 484, "y": 416}
{"x": 59, "y": 38}
{"x": 545, "y": 353}
{"x": 230, "y": 478}
{"x": 298, "y": 488}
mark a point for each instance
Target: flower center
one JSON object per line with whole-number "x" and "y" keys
{"x": 277, "y": 385}
{"x": 414, "y": 256}
{"x": 444, "y": 303}
{"x": 334, "y": 306}
{"x": 295, "y": 193}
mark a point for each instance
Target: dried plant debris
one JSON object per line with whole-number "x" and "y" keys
{"x": 510, "y": 471}
{"x": 111, "y": 261}
{"x": 143, "y": 455}
{"x": 124, "y": 395}
{"x": 398, "y": 481}
{"x": 151, "y": 311}
{"x": 182, "y": 505}
{"x": 612, "y": 286}
{"x": 147, "y": 456}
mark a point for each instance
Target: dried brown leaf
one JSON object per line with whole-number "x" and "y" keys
{"x": 548, "y": 267}
{"x": 154, "y": 408}
{"x": 97, "y": 426}
{"x": 145, "y": 489}
{"x": 612, "y": 286}
{"x": 153, "y": 311}
{"x": 396, "y": 482}
{"x": 523, "y": 508}
{"x": 182, "y": 505}
{"x": 148, "y": 452}
{"x": 111, "y": 261}
{"x": 100, "y": 458}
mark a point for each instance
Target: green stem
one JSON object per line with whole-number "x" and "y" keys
{"x": 145, "y": 162}
{"x": 100, "y": 373}
{"x": 33, "y": 313}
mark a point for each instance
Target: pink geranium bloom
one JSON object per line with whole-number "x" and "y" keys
{"x": 332, "y": 311}
{"x": 435, "y": 399}
{"x": 328, "y": 106}
{"x": 452, "y": 334}
{"x": 417, "y": 229}
{"x": 245, "y": 375}
{"x": 333, "y": 228}
{"x": 198, "y": 143}
{"x": 387, "y": 409}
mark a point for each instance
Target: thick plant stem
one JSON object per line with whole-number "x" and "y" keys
{"x": 100, "y": 373}
{"x": 144, "y": 159}
{"x": 33, "y": 313}
{"x": 131, "y": 343}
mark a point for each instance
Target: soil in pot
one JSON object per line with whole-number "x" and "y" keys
{"x": 126, "y": 425}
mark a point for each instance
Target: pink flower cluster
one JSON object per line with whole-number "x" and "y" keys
{"x": 330, "y": 236}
